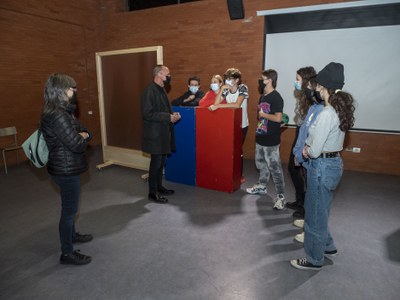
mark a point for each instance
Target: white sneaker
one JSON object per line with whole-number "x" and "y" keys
{"x": 279, "y": 202}
{"x": 299, "y": 223}
{"x": 299, "y": 238}
{"x": 257, "y": 189}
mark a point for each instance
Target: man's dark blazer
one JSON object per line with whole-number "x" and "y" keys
{"x": 158, "y": 131}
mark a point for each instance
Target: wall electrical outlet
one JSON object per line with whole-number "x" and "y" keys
{"x": 356, "y": 150}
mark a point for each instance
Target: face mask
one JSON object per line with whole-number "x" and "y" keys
{"x": 167, "y": 80}
{"x": 229, "y": 82}
{"x": 214, "y": 86}
{"x": 310, "y": 94}
{"x": 297, "y": 85}
{"x": 193, "y": 89}
{"x": 261, "y": 85}
{"x": 74, "y": 98}
{"x": 318, "y": 96}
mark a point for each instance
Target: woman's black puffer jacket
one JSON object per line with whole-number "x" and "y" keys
{"x": 66, "y": 146}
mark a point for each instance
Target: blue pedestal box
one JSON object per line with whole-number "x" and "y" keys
{"x": 181, "y": 165}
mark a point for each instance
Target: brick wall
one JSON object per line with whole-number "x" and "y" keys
{"x": 41, "y": 37}
{"x": 38, "y": 38}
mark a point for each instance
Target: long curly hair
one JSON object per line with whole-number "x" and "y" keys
{"x": 343, "y": 103}
{"x": 307, "y": 74}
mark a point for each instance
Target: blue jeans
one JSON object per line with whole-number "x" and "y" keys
{"x": 69, "y": 189}
{"x": 323, "y": 176}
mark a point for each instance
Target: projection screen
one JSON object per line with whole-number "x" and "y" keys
{"x": 365, "y": 39}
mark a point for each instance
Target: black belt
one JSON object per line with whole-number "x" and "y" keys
{"x": 329, "y": 155}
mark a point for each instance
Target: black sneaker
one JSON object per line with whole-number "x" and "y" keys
{"x": 293, "y": 205}
{"x": 303, "y": 264}
{"x": 299, "y": 213}
{"x": 330, "y": 254}
{"x": 75, "y": 258}
{"x": 81, "y": 238}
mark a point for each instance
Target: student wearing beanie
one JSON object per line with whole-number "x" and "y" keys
{"x": 324, "y": 165}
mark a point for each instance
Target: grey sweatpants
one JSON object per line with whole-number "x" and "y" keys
{"x": 268, "y": 162}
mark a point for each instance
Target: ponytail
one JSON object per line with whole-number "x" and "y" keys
{"x": 343, "y": 103}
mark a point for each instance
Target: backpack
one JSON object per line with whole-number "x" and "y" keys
{"x": 36, "y": 150}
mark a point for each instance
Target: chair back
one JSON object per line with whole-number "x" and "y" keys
{"x": 8, "y": 131}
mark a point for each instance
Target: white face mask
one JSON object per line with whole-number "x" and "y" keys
{"x": 229, "y": 82}
{"x": 193, "y": 89}
{"x": 214, "y": 86}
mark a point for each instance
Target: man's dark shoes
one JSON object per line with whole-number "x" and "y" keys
{"x": 81, "y": 238}
{"x": 164, "y": 191}
{"x": 75, "y": 258}
{"x": 157, "y": 198}
{"x": 293, "y": 205}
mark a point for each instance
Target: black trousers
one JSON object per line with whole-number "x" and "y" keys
{"x": 297, "y": 174}
{"x": 157, "y": 163}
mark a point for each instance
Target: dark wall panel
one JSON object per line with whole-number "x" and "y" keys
{"x": 124, "y": 78}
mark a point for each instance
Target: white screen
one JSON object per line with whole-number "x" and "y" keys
{"x": 371, "y": 59}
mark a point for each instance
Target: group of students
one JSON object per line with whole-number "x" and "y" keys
{"x": 229, "y": 92}
{"x": 317, "y": 148}
{"x": 323, "y": 114}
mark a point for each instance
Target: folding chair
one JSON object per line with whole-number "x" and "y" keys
{"x": 8, "y": 132}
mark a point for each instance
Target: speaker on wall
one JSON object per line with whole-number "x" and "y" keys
{"x": 236, "y": 10}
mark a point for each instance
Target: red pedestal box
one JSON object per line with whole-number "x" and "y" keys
{"x": 218, "y": 148}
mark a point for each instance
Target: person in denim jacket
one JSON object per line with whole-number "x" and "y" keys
{"x": 324, "y": 165}
{"x": 301, "y": 93}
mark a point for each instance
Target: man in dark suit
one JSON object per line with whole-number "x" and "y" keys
{"x": 158, "y": 130}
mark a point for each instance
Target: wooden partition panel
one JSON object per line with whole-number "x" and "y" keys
{"x": 122, "y": 76}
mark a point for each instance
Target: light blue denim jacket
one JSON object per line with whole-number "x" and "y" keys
{"x": 312, "y": 114}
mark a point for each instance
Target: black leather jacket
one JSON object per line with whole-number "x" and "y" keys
{"x": 66, "y": 146}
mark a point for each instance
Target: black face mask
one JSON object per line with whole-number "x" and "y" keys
{"x": 74, "y": 98}
{"x": 313, "y": 95}
{"x": 310, "y": 94}
{"x": 72, "y": 103}
{"x": 261, "y": 85}
{"x": 167, "y": 80}
{"x": 318, "y": 96}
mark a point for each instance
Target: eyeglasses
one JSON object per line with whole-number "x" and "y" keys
{"x": 73, "y": 88}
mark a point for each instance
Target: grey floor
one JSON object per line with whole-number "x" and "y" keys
{"x": 203, "y": 245}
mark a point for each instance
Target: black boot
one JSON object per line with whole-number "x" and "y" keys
{"x": 293, "y": 205}
{"x": 299, "y": 203}
{"x": 299, "y": 213}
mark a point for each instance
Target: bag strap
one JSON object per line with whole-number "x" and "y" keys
{"x": 37, "y": 148}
